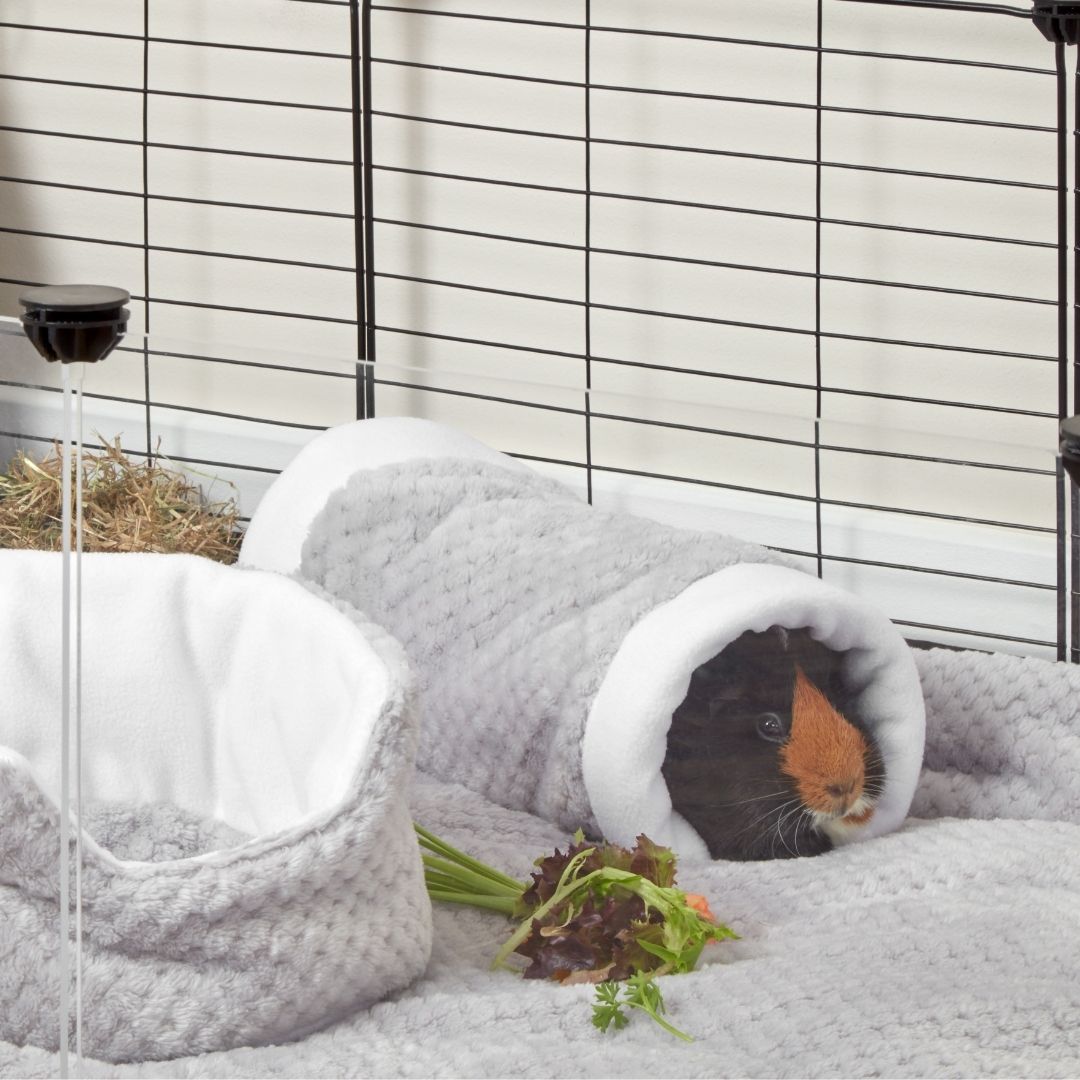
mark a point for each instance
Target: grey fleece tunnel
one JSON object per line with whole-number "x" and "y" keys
{"x": 552, "y": 641}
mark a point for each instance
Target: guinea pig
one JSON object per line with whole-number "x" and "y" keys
{"x": 766, "y": 758}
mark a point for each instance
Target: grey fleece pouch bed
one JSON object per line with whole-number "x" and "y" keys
{"x": 250, "y": 870}
{"x": 552, "y": 640}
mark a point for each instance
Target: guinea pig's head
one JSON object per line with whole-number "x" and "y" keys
{"x": 766, "y": 759}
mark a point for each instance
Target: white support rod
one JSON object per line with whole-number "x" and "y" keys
{"x": 64, "y": 952}
{"x": 80, "y": 1070}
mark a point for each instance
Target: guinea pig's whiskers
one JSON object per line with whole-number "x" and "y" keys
{"x": 756, "y": 798}
{"x": 803, "y": 819}
{"x": 779, "y": 832}
{"x": 806, "y": 821}
{"x": 775, "y": 810}
{"x": 797, "y": 813}
{"x": 710, "y": 804}
{"x": 758, "y": 820}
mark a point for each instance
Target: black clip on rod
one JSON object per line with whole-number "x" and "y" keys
{"x": 75, "y": 324}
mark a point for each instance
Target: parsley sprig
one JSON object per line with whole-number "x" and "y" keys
{"x": 596, "y": 913}
{"x": 638, "y": 992}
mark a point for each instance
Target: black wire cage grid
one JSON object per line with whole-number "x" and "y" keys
{"x": 607, "y": 306}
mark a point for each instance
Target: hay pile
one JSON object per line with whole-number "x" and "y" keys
{"x": 126, "y": 507}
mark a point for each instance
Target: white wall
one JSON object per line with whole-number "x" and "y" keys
{"x": 264, "y": 276}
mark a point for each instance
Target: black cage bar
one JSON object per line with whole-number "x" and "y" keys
{"x": 377, "y": 333}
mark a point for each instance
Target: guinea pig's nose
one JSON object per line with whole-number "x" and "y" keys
{"x": 845, "y": 792}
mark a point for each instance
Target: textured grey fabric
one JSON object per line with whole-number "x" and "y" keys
{"x": 948, "y": 948}
{"x": 1006, "y": 738}
{"x": 510, "y": 596}
{"x": 155, "y": 832}
{"x": 260, "y": 941}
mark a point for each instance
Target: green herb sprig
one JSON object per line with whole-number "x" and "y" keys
{"x": 638, "y": 992}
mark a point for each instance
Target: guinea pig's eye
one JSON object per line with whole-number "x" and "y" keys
{"x": 771, "y": 727}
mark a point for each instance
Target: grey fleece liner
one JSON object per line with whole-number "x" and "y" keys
{"x": 947, "y": 949}
{"x": 197, "y": 936}
{"x": 552, "y": 640}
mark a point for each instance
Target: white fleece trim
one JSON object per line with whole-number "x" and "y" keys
{"x": 235, "y": 694}
{"x": 626, "y": 731}
{"x": 280, "y": 525}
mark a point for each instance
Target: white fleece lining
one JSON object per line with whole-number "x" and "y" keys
{"x": 277, "y": 531}
{"x": 234, "y": 694}
{"x": 625, "y": 739}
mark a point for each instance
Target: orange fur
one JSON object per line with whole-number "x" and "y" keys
{"x": 825, "y": 754}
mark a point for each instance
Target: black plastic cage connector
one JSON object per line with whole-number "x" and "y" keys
{"x": 75, "y": 324}
{"x": 1059, "y": 22}
{"x": 1070, "y": 447}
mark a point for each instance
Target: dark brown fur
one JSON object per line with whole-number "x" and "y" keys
{"x": 748, "y": 797}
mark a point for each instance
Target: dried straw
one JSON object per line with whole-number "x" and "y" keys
{"x": 126, "y": 507}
